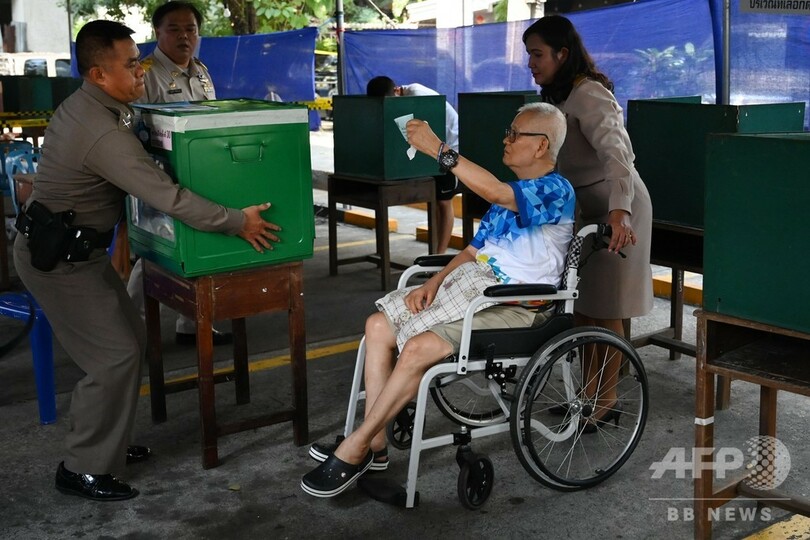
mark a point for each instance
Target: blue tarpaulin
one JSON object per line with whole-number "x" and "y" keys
{"x": 653, "y": 48}
{"x": 253, "y": 66}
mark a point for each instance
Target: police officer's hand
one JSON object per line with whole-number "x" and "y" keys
{"x": 256, "y": 230}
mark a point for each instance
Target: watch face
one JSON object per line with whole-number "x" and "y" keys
{"x": 449, "y": 159}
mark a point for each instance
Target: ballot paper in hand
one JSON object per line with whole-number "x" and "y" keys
{"x": 402, "y": 122}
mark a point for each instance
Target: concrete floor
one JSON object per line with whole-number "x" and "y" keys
{"x": 255, "y": 491}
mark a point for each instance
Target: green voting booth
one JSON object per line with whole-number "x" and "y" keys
{"x": 669, "y": 141}
{"x": 368, "y": 142}
{"x": 756, "y": 251}
{"x": 482, "y": 121}
{"x": 237, "y": 153}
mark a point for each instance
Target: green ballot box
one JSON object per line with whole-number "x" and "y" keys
{"x": 482, "y": 121}
{"x": 237, "y": 153}
{"x": 755, "y": 241}
{"x": 368, "y": 140}
{"x": 669, "y": 141}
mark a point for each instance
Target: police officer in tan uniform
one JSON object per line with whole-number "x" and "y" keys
{"x": 90, "y": 160}
{"x": 172, "y": 74}
{"x": 172, "y": 71}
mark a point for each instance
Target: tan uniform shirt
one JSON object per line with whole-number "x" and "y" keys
{"x": 91, "y": 159}
{"x": 167, "y": 82}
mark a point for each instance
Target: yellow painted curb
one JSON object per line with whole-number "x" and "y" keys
{"x": 270, "y": 363}
{"x": 795, "y": 527}
{"x": 692, "y": 294}
{"x": 456, "y": 240}
{"x": 456, "y": 206}
{"x": 367, "y": 220}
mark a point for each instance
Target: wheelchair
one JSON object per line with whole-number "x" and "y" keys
{"x": 525, "y": 381}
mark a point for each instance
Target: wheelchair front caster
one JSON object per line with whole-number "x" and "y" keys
{"x": 475, "y": 479}
{"x": 400, "y": 430}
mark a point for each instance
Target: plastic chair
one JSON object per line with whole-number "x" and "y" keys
{"x": 18, "y": 306}
{"x": 22, "y": 158}
{"x": 6, "y": 148}
{"x": 20, "y": 161}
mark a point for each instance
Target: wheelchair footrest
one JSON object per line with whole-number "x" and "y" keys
{"x": 386, "y": 490}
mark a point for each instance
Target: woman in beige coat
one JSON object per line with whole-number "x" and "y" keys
{"x": 597, "y": 158}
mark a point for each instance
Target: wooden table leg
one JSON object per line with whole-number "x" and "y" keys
{"x": 384, "y": 244}
{"x": 704, "y": 437}
{"x": 767, "y": 411}
{"x": 676, "y": 309}
{"x": 433, "y": 222}
{"x": 240, "y": 362}
{"x": 332, "y": 219}
{"x": 298, "y": 357}
{"x": 154, "y": 354}
{"x": 205, "y": 373}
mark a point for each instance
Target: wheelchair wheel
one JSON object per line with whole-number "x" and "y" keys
{"x": 400, "y": 429}
{"x": 467, "y": 400}
{"x": 475, "y": 481}
{"x": 563, "y": 438}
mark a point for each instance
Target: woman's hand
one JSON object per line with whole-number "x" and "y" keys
{"x": 421, "y": 297}
{"x": 256, "y": 230}
{"x": 619, "y": 221}
{"x": 421, "y": 137}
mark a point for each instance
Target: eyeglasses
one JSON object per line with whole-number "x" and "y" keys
{"x": 513, "y": 134}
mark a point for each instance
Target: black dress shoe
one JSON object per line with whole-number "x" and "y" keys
{"x": 96, "y": 487}
{"x": 137, "y": 454}
{"x": 220, "y": 338}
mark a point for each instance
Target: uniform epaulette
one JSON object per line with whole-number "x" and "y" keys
{"x": 147, "y": 62}
{"x": 199, "y": 63}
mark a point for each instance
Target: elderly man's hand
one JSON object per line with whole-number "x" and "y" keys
{"x": 421, "y": 137}
{"x": 421, "y": 297}
{"x": 256, "y": 230}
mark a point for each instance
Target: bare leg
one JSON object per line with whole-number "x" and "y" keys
{"x": 446, "y": 219}
{"x": 419, "y": 354}
{"x": 381, "y": 347}
{"x": 601, "y": 366}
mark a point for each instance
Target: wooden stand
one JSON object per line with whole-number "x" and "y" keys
{"x": 378, "y": 195}
{"x": 681, "y": 249}
{"x": 773, "y": 358}
{"x": 234, "y": 295}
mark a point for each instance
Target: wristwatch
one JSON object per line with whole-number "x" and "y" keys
{"x": 448, "y": 159}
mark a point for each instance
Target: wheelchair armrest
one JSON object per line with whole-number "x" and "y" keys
{"x": 520, "y": 289}
{"x": 433, "y": 260}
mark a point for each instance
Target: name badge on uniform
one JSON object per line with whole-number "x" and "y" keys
{"x": 175, "y": 91}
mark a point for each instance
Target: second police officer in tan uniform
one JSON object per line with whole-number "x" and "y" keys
{"x": 172, "y": 74}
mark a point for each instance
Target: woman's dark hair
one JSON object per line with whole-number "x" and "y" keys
{"x": 557, "y": 32}
{"x": 169, "y": 7}
{"x": 96, "y": 39}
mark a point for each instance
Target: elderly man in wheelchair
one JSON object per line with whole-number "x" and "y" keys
{"x": 497, "y": 295}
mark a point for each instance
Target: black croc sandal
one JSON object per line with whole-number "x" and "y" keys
{"x": 320, "y": 452}
{"x": 334, "y": 476}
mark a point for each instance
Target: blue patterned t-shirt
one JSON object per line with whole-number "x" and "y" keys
{"x": 529, "y": 246}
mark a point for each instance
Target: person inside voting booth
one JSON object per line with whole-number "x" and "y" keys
{"x": 91, "y": 160}
{"x": 173, "y": 74}
{"x": 446, "y": 184}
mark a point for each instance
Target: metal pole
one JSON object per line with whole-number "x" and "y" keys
{"x": 339, "y": 31}
{"x": 70, "y": 28}
{"x": 725, "y": 91}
